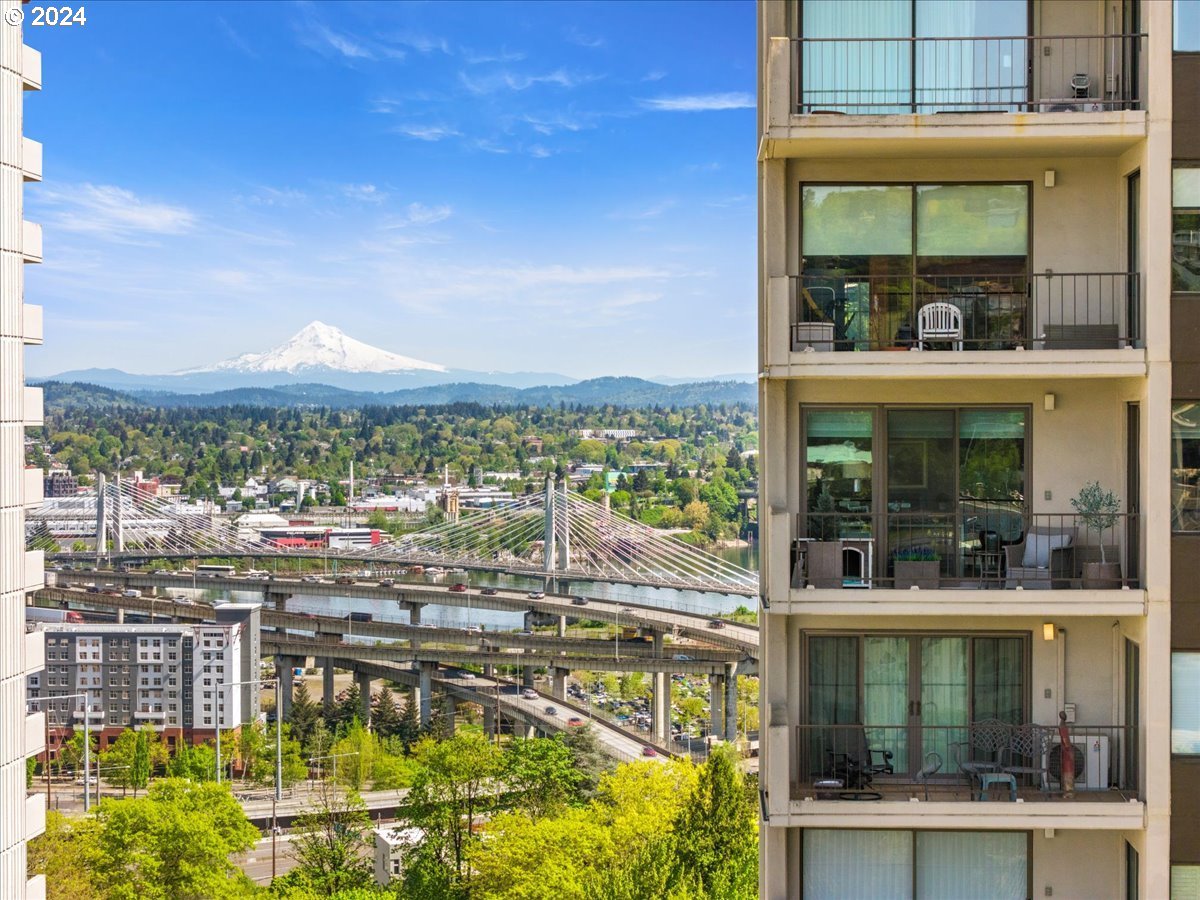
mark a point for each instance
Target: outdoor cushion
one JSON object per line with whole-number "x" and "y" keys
{"x": 1038, "y": 547}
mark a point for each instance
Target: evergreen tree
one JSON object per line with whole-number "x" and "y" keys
{"x": 347, "y": 707}
{"x": 408, "y": 728}
{"x": 304, "y": 715}
{"x": 715, "y": 833}
{"x": 385, "y": 718}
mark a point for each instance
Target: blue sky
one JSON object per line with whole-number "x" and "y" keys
{"x": 561, "y": 187}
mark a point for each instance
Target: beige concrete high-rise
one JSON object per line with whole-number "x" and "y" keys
{"x": 977, "y": 297}
{"x": 21, "y": 735}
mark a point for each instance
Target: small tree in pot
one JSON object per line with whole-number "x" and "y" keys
{"x": 1099, "y": 510}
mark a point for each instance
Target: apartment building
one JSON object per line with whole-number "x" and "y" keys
{"x": 979, "y": 303}
{"x": 21, "y": 818}
{"x": 174, "y": 677}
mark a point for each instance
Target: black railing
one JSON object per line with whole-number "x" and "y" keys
{"x": 1022, "y": 73}
{"x": 986, "y": 760}
{"x": 1063, "y": 311}
{"x": 986, "y": 544}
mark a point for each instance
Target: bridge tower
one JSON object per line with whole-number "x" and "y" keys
{"x": 101, "y": 520}
{"x": 549, "y": 554}
{"x": 564, "y": 536}
{"x": 119, "y": 537}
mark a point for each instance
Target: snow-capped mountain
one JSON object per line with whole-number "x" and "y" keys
{"x": 321, "y": 346}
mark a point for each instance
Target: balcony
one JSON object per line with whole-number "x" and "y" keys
{"x": 35, "y": 733}
{"x": 31, "y": 160}
{"x": 1049, "y": 90}
{"x": 35, "y": 570}
{"x": 987, "y": 558}
{"x": 31, "y": 324}
{"x": 32, "y": 414}
{"x": 987, "y": 774}
{"x": 34, "y": 658}
{"x": 31, "y": 69}
{"x": 33, "y": 487}
{"x": 31, "y": 242}
{"x": 35, "y": 816}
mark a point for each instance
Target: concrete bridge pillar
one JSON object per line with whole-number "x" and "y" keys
{"x": 731, "y": 702}
{"x": 364, "y": 690}
{"x": 426, "y": 692}
{"x": 527, "y": 676}
{"x": 414, "y": 613}
{"x": 562, "y": 626}
{"x": 489, "y": 721}
{"x": 327, "y": 682}
{"x": 283, "y": 671}
{"x": 558, "y": 683}
{"x": 120, "y": 615}
{"x": 275, "y": 599}
{"x": 489, "y": 671}
{"x": 716, "y": 704}
{"x": 660, "y": 706}
{"x": 449, "y": 712}
{"x": 529, "y": 620}
{"x": 658, "y": 642}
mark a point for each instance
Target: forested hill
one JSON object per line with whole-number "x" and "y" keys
{"x": 626, "y": 392}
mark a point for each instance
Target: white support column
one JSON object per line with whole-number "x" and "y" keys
{"x": 549, "y": 545}
{"x": 564, "y": 538}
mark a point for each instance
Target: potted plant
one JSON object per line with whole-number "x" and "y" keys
{"x": 824, "y": 551}
{"x": 917, "y": 567}
{"x": 1099, "y": 510}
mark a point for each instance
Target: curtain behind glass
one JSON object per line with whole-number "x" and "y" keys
{"x": 885, "y": 696}
{"x": 999, "y": 680}
{"x": 981, "y": 63}
{"x": 838, "y": 469}
{"x": 857, "y": 865}
{"x": 944, "y": 698}
{"x": 965, "y": 865}
{"x": 1185, "y": 466}
{"x": 832, "y": 697}
{"x": 850, "y": 74}
{"x": 991, "y": 467}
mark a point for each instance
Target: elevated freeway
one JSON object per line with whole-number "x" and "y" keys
{"x": 709, "y": 628}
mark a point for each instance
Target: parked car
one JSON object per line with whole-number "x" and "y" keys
{"x": 649, "y": 751}
{"x": 529, "y": 694}
{"x": 574, "y": 722}
{"x": 489, "y": 592}
{"x": 580, "y": 601}
{"x": 537, "y": 595}
{"x": 715, "y": 623}
{"x": 458, "y": 588}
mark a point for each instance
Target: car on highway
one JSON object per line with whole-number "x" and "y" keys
{"x": 551, "y": 710}
{"x": 579, "y": 601}
{"x": 311, "y": 579}
{"x": 344, "y": 579}
{"x": 649, "y": 751}
{"x": 458, "y": 588}
{"x": 183, "y": 601}
{"x": 715, "y": 623}
{"x": 683, "y": 657}
{"x": 423, "y": 625}
{"x": 524, "y": 634}
{"x": 574, "y": 722}
{"x": 529, "y": 694}
{"x": 537, "y": 595}
{"x": 467, "y": 675}
{"x": 387, "y": 582}
{"x": 489, "y": 592}
{"x": 473, "y": 629}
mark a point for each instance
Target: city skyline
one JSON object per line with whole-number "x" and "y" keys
{"x": 482, "y": 189}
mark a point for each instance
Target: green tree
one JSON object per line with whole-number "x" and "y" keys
{"x": 117, "y": 761}
{"x": 716, "y": 835}
{"x": 330, "y": 844}
{"x": 56, "y": 854}
{"x": 542, "y": 774}
{"x": 139, "y": 772}
{"x": 450, "y": 788}
{"x": 175, "y": 843}
{"x": 590, "y": 761}
{"x": 304, "y": 715}
{"x": 71, "y": 754}
{"x": 385, "y": 718}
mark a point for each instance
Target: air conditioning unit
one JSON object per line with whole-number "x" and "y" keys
{"x": 1091, "y": 762}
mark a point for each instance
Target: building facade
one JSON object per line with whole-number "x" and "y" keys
{"x": 21, "y": 818}
{"x": 979, "y": 381}
{"x": 170, "y": 676}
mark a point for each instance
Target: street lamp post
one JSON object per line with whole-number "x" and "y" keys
{"x": 87, "y": 746}
{"x": 278, "y": 682}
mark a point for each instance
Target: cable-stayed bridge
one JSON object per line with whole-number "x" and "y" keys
{"x": 552, "y": 534}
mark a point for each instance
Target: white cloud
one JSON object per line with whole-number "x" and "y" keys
{"x": 107, "y": 211}
{"x": 591, "y": 41}
{"x": 366, "y": 193}
{"x": 235, "y": 38}
{"x": 316, "y": 35}
{"x": 537, "y": 151}
{"x": 648, "y": 212}
{"x": 549, "y": 124}
{"x": 501, "y": 56}
{"x": 269, "y": 196}
{"x": 516, "y": 81}
{"x": 700, "y": 102}
{"x": 426, "y": 132}
{"x": 422, "y": 43}
{"x": 420, "y": 214}
{"x": 656, "y": 75}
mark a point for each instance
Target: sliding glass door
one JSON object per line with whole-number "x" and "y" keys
{"x": 912, "y": 695}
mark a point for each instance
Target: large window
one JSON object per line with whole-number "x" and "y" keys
{"x": 1185, "y": 882}
{"x": 1185, "y": 229}
{"x": 1185, "y": 465}
{"x": 861, "y": 57}
{"x": 921, "y": 865}
{"x": 872, "y": 255}
{"x": 1185, "y": 704}
{"x": 1187, "y": 26}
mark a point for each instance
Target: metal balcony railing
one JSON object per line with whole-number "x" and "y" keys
{"x": 987, "y": 544}
{"x": 985, "y": 760}
{"x": 1056, "y": 311}
{"x": 1021, "y": 73}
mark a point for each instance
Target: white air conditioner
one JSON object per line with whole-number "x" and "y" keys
{"x": 1091, "y": 761}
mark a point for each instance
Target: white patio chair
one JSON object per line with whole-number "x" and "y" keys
{"x": 940, "y": 322}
